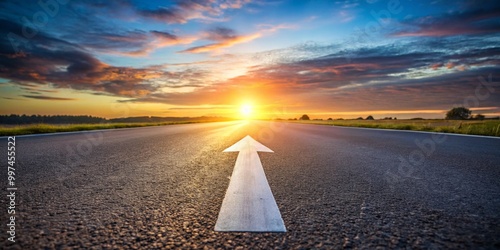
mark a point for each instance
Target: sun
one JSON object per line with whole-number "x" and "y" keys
{"x": 246, "y": 110}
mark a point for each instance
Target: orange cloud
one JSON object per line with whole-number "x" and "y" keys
{"x": 159, "y": 40}
{"x": 436, "y": 66}
{"x": 225, "y": 37}
{"x": 227, "y": 43}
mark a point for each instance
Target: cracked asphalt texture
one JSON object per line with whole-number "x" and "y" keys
{"x": 162, "y": 187}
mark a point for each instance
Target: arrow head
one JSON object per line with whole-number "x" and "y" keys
{"x": 248, "y": 143}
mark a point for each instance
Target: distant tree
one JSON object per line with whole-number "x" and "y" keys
{"x": 340, "y": 119}
{"x": 369, "y": 118}
{"x": 330, "y": 119}
{"x": 458, "y": 113}
{"x": 479, "y": 117}
{"x": 395, "y": 118}
{"x": 359, "y": 118}
{"x": 304, "y": 118}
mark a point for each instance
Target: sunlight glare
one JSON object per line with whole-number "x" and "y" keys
{"x": 246, "y": 110}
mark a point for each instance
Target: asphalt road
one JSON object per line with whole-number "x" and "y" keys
{"x": 162, "y": 187}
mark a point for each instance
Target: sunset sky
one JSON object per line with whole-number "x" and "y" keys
{"x": 283, "y": 58}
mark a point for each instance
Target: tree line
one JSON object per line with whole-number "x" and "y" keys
{"x": 456, "y": 113}
{"x": 51, "y": 119}
{"x": 80, "y": 119}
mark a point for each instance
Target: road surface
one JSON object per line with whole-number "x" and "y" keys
{"x": 162, "y": 187}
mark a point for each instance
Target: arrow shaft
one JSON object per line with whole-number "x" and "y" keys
{"x": 249, "y": 204}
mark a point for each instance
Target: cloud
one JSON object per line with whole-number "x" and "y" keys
{"x": 11, "y": 98}
{"x": 174, "y": 12}
{"x": 109, "y": 42}
{"x": 102, "y": 26}
{"x": 169, "y": 15}
{"x": 47, "y": 60}
{"x": 225, "y": 37}
{"x": 170, "y": 12}
{"x": 221, "y": 34}
{"x": 235, "y": 4}
{"x": 469, "y": 22}
{"x": 346, "y": 16}
{"x": 51, "y": 98}
{"x": 186, "y": 10}
{"x": 92, "y": 25}
{"x": 348, "y": 4}
{"x": 131, "y": 43}
{"x": 436, "y": 66}
{"x": 413, "y": 74}
{"x": 35, "y": 89}
{"x": 158, "y": 39}
{"x": 202, "y": 108}
{"x": 168, "y": 37}
{"x": 220, "y": 45}
{"x": 431, "y": 72}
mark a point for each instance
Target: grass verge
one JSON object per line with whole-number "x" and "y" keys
{"x": 485, "y": 127}
{"x": 51, "y": 128}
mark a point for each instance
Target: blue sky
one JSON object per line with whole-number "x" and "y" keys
{"x": 208, "y": 57}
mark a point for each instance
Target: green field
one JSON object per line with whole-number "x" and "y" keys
{"x": 6, "y": 130}
{"x": 470, "y": 127}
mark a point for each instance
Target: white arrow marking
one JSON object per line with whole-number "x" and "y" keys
{"x": 249, "y": 204}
